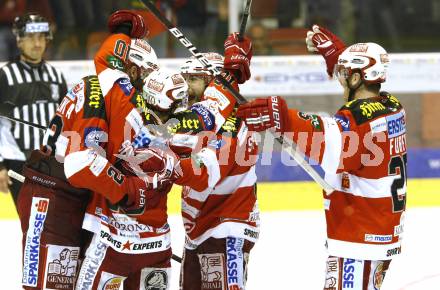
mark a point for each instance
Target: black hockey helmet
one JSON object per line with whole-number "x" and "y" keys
{"x": 31, "y": 23}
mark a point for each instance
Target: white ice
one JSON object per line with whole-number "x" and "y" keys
{"x": 290, "y": 253}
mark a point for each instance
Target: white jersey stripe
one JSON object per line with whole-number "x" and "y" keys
{"x": 363, "y": 251}
{"x": 36, "y": 75}
{"x": 26, "y": 129}
{"x": 108, "y": 77}
{"x": 27, "y": 76}
{"x": 43, "y": 117}
{"x": 363, "y": 187}
{"x": 209, "y": 160}
{"x": 51, "y": 110}
{"x": 17, "y": 73}
{"x": 49, "y": 69}
{"x": 77, "y": 161}
{"x": 17, "y": 125}
{"x": 8, "y": 75}
{"x": 36, "y": 130}
{"x": 190, "y": 210}
{"x": 59, "y": 77}
{"x": 223, "y": 230}
{"x": 228, "y": 185}
{"x": 333, "y": 145}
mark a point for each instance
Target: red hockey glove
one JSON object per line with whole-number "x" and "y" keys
{"x": 135, "y": 22}
{"x": 136, "y": 190}
{"x": 238, "y": 55}
{"x": 157, "y": 167}
{"x": 264, "y": 113}
{"x": 326, "y": 44}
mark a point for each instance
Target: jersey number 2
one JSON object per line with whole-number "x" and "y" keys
{"x": 398, "y": 161}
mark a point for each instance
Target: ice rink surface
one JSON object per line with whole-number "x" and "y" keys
{"x": 290, "y": 253}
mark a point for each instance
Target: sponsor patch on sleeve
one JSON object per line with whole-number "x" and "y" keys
{"x": 378, "y": 125}
{"x": 206, "y": 116}
{"x": 125, "y": 86}
{"x": 94, "y": 136}
{"x": 343, "y": 121}
{"x": 214, "y": 94}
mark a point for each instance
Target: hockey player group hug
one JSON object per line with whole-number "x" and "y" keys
{"x": 93, "y": 206}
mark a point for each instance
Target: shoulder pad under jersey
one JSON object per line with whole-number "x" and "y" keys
{"x": 231, "y": 125}
{"x": 94, "y": 106}
{"x": 390, "y": 101}
{"x": 139, "y": 102}
{"x": 365, "y": 110}
{"x": 186, "y": 122}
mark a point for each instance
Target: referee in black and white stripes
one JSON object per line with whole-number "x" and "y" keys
{"x": 30, "y": 90}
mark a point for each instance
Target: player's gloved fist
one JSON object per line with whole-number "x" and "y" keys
{"x": 159, "y": 168}
{"x": 135, "y": 197}
{"x": 325, "y": 43}
{"x": 128, "y": 22}
{"x": 265, "y": 113}
{"x": 238, "y": 55}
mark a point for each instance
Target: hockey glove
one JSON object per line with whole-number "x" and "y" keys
{"x": 325, "y": 43}
{"x": 238, "y": 55}
{"x": 136, "y": 191}
{"x": 157, "y": 167}
{"x": 265, "y": 113}
{"x": 127, "y": 22}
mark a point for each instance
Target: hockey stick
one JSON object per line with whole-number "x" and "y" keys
{"x": 20, "y": 178}
{"x": 24, "y": 122}
{"x": 288, "y": 145}
{"x": 16, "y": 175}
{"x": 246, "y": 13}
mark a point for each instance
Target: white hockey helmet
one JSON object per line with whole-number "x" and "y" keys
{"x": 142, "y": 54}
{"x": 369, "y": 58}
{"x": 193, "y": 66}
{"x": 166, "y": 90}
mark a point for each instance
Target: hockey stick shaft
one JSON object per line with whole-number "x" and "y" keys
{"x": 20, "y": 178}
{"x": 246, "y": 13}
{"x": 16, "y": 175}
{"x": 288, "y": 144}
{"x": 24, "y": 122}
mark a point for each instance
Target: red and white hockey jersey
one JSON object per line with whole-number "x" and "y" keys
{"x": 95, "y": 120}
{"x": 219, "y": 199}
{"x": 362, "y": 150}
{"x": 219, "y": 101}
